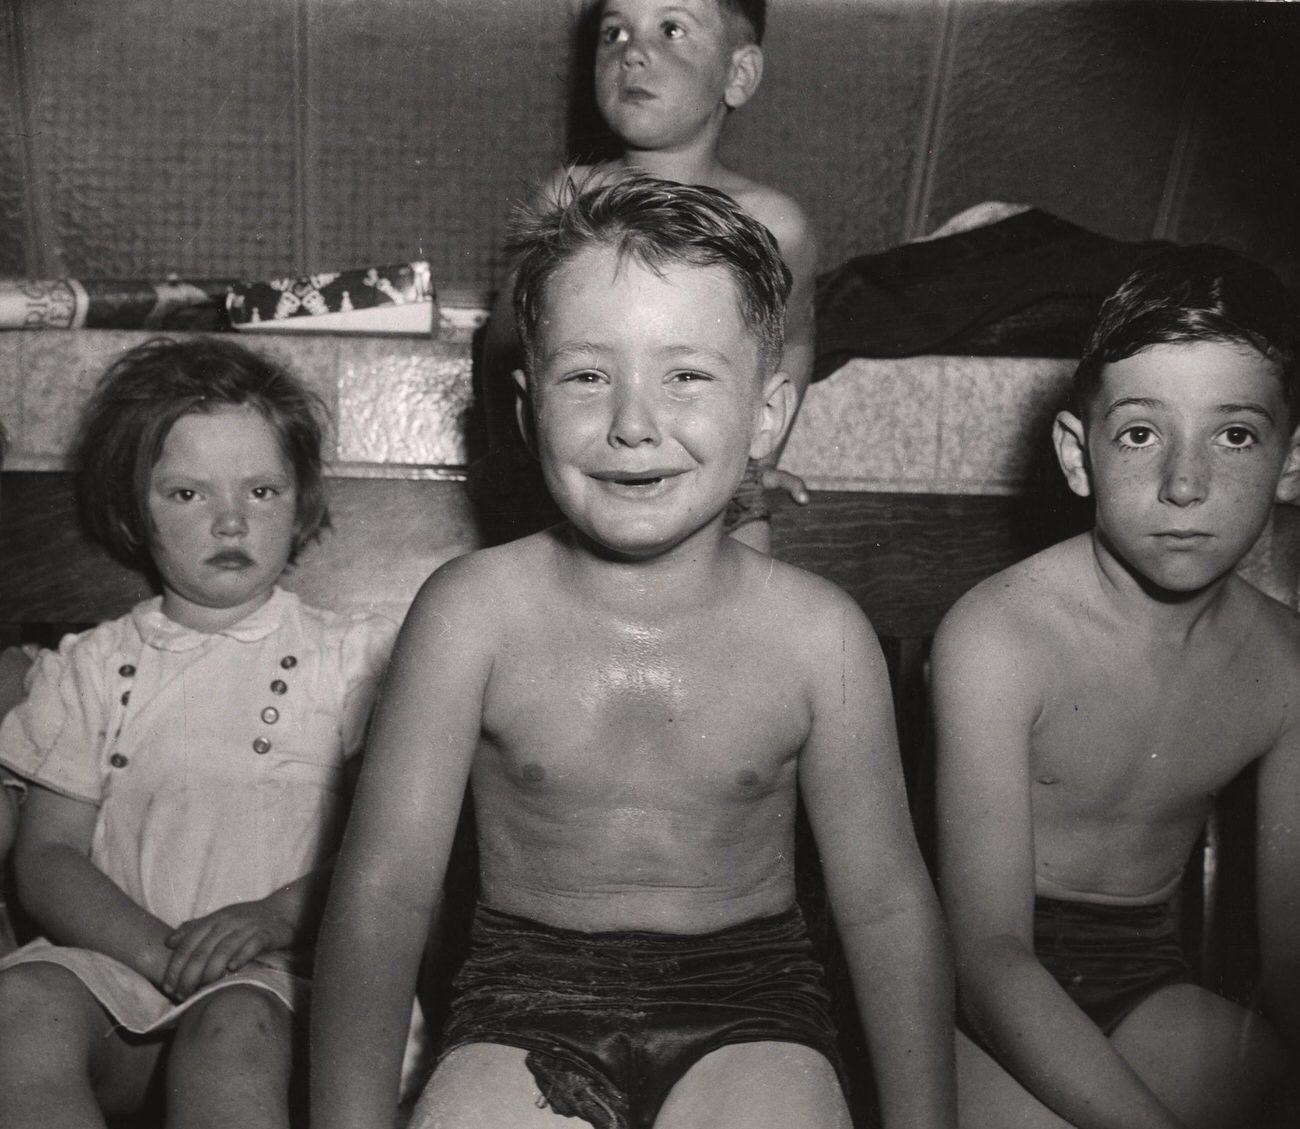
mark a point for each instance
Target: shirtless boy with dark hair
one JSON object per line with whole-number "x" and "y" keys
{"x": 668, "y": 75}
{"x": 1093, "y": 700}
{"x": 635, "y": 699}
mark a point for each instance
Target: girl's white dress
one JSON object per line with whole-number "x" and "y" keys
{"x": 216, "y": 762}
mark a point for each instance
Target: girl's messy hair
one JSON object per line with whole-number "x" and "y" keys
{"x": 138, "y": 401}
{"x": 656, "y": 223}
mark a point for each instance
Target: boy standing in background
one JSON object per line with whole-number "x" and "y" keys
{"x": 668, "y": 74}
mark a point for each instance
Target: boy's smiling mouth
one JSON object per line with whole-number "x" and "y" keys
{"x": 636, "y": 480}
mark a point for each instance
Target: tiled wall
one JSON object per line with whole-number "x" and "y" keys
{"x": 403, "y": 406}
{"x": 252, "y": 139}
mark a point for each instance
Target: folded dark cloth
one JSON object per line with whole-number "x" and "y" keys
{"x": 1026, "y": 286}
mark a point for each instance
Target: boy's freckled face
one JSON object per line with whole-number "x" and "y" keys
{"x": 1186, "y": 443}
{"x": 647, "y": 393}
{"x": 662, "y": 69}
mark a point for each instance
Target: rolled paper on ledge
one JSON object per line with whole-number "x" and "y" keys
{"x": 69, "y": 303}
{"x": 389, "y": 299}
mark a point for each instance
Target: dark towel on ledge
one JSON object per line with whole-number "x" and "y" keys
{"x": 1026, "y": 286}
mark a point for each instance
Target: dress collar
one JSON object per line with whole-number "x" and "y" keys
{"x": 168, "y": 635}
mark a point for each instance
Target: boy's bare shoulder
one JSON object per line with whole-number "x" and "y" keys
{"x": 802, "y": 610}
{"x": 1272, "y": 626}
{"x": 1024, "y": 608}
{"x": 779, "y": 212}
{"x": 480, "y": 585}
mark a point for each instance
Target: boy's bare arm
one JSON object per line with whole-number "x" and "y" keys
{"x": 1278, "y": 878}
{"x": 73, "y": 901}
{"x": 987, "y": 695}
{"x": 881, "y": 896}
{"x": 394, "y": 856}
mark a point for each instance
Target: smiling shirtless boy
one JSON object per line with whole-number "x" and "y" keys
{"x": 1093, "y": 700}
{"x": 634, "y": 699}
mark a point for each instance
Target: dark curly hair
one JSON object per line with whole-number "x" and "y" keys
{"x": 137, "y": 402}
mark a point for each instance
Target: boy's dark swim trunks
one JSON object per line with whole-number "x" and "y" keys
{"x": 1109, "y": 958}
{"x": 612, "y": 1021}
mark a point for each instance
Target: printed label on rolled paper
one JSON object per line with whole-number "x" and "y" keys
{"x": 42, "y": 304}
{"x": 335, "y": 292}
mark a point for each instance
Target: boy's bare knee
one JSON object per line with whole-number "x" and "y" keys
{"x": 758, "y": 1084}
{"x": 1210, "y": 1060}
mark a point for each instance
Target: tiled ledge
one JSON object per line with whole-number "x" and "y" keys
{"x": 401, "y": 403}
{"x": 932, "y": 425}
{"x": 937, "y": 425}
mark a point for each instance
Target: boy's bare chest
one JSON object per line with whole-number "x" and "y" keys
{"x": 638, "y": 704}
{"x": 1154, "y": 738}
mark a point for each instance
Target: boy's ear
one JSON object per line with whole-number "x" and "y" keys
{"x": 1071, "y": 443}
{"x": 746, "y": 74}
{"x": 776, "y": 414}
{"x": 524, "y": 411}
{"x": 1288, "y": 485}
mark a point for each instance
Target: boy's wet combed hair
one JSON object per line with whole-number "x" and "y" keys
{"x": 657, "y": 223}
{"x": 1196, "y": 293}
{"x": 138, "y": 401}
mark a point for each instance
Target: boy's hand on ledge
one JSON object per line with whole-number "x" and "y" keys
{"x": 774, "y": 478}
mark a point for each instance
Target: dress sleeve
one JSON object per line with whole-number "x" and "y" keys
{"x": 366, "y": 648}
{"x": 54, "y": 736}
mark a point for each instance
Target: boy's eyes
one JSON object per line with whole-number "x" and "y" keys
{"x": 584, "y": 376}
{"x": 183, "y": 494}
{"x": 263, "y": 492}
{"x": 616, "y": 33}
{"x": 1237, "y": 438}
{"x": 1137, "y": 436}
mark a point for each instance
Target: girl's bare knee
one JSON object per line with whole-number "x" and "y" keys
{"x": 49, "y": 1025}
{"x": 37, "y": 996}
{"x": 244, "y": 1021}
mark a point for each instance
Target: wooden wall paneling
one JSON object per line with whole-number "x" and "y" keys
{"x": 904, "y": 557}
{"x": 388, "y": 535}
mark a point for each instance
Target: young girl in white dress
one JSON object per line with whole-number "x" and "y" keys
{"x": 186, "y": 764}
